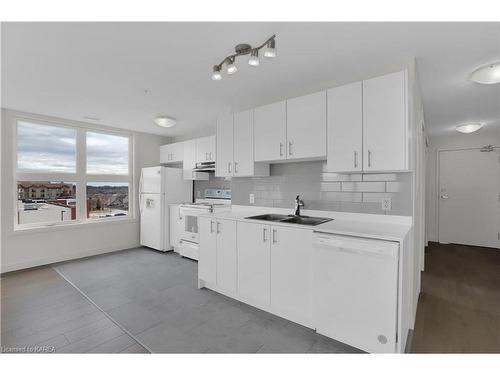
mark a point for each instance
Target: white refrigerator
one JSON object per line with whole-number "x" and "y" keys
{"x": 158, "y": 188}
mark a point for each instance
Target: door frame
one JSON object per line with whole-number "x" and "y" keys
{"x": 438, "y": 185}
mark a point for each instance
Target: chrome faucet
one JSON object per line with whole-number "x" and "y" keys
{"x": 298, "y": 203}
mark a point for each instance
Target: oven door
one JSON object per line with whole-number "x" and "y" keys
{"x": 190, "y": 219}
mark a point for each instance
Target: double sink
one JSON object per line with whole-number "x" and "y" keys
{"x": 292, "y": 219}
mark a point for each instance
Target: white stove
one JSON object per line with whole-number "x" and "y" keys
{"x": 216, "y": 200}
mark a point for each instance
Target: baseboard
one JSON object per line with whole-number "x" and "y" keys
{"x": 51, "y": 260}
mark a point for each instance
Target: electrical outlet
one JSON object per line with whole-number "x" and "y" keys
{"x": 386, "y": 204}
{"x": 252, "y": 198}
{"x": 198, "y": 194}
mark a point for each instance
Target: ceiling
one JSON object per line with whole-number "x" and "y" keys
{"x": 128, "y": 73}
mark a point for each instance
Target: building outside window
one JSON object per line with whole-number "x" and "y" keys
{"x": 55, "y": 186}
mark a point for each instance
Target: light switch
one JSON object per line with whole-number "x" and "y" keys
{"x": 252, "y": 198}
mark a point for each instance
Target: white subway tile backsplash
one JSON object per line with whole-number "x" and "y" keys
{"x": 330, "y": 186}
{"x": 341, "y": 196}
{"x": 380, "y": 177}
{"x": 375, "y": 197}
{"x": 341, "y": 177}
{"x": 364, "y": 186}
{"x": 393, "y": 187}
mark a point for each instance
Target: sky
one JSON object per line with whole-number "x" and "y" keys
{"x": 43, "y": 148}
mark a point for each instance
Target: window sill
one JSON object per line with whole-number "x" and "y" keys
{"x": 72, "y": 226}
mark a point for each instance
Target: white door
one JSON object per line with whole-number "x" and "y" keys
{"x": 306, "y": 126}
{"x": 270, "y": 132}
{"x": 151, "y": 180}
{"x": 224, "y": 141}
{"x": 243, "y": 144}
{"x": 468, "y": 197}
{"x": 384, "y": 123}
{"x": 227, "y": 266}
{"x": 253, "y": 243}
{"x": 152, "y": 211}
{"x": 291, "y": 273}
{"x": 345, "y": 128}
{"x": 207, "y": 263}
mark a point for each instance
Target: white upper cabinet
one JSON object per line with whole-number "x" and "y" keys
{"x": 235, "y": 147}
{"x": 224, "y": 141}
{"x": 205, "y": 149}
{"x": 306, "y": 126}
{"x": 172, "y": 153}
{"x": 189, "y": 161}
{"x": 243, "y": 144}
{"x": 270, "y": 132}
{"x": 385, "y": 123}
{"x": 345, "y": 128}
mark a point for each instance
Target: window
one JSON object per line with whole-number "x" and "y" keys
{"x": 68, "y": 174}
{"x": 107, "y": 199}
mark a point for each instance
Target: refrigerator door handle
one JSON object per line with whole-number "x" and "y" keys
{"x": 140, "y": 194}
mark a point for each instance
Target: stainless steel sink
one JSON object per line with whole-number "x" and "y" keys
{"x": 269, "y": 217}
{"x": 292, "y": 219}
{"x": 306, "y": 220}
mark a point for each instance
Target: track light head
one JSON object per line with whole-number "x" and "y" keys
{"x": 270, "y": 51}
{"x": 231, "y": 68}
{"x": 216, "y": 75}
{"x": 254, "y": 58}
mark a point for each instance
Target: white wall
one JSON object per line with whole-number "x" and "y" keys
{"x": 33, "y": 247}
{"x": 451, "y": 141}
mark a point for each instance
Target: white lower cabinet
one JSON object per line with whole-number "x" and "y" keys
{"x": 254, "y": 262}
{"x": 176, "y": 226}
{"x": 218, "y": 255}
{"x": 291, "y": 273}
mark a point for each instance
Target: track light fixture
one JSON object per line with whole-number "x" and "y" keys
{"x": 245, "y": 49}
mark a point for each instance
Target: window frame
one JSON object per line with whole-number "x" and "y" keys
{"x": 80, "y": 178}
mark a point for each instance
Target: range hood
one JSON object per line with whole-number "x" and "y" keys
{"x": 200, "y": 172}
{"x": 206, "y": 166}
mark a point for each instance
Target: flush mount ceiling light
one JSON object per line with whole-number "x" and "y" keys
{"x": 245, "y": 49}
{"x": 487, "y": 75}
{"x": 164, "y": 121}
{"x": 468, "y": 128}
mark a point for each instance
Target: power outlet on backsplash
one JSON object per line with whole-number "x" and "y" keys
{"x": 251, "y": 198}
{"x": 386, "y": 204}
{"x": 198, "y": 194}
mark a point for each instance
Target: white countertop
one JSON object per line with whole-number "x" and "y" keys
{"x": 385, "y": 227}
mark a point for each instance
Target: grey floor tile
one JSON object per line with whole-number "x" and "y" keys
{"x": 135, "y": 318}
{"x": 116, "y": 345}
{"x": 108, "y": 298}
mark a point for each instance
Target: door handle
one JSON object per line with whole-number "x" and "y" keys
{"x": 218, "y": 227}
{"x": 211, "y": 226}
{"x": 235, "y": 165}
{"x": 369, "y": 158}
{"x": 444, "y": 196}
{"x": 210, "y": 157}
{"x": 289, "y": 148}
{"x": 274, "y": 236}
{"x": 229, "y": 168}
{"x": 355, "y": 159}
{"x": 281, "y": 149}
{"x": 264, "y": 238}
{"x": 206, "y": 155}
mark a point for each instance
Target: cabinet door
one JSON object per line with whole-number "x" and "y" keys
{"x": 177, "y": 152}
{"x": 226, "y": 256}
{"x": 224, "y": 141}
{"x": 253, "y": 242}
{"x": 291, "y": 273}
{"x": 205, "y": 149}
{"x": 306, "y": 126}
{"x": 270, "y": 132}
{"x": 345, "y": 128}
{"x": 385, "y": 123}
{"x": 176, "y": 226}
{"x": 189, "y": 161}
{"x": 165, "y": 154}
{"x": 243, "y": 144}
{"x": 207, "y": 263}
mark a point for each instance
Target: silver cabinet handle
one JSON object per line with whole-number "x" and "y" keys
{"x": 369, "y": 158}
{"x": 275, "y": 232}
{"x": 211, "y": 226}
{"x": 235, "y": 165}
{"x": 206, "y": 155}
{"x": 210, "y": 156}
{"x": 218, "y": 227}
{"x": 355, "y": 159}
{"x": 264, "y": 239}
{"x": 229, "y": 167}
{"x": 289, "y": 148}
{"x": 281, "y": 149}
